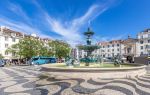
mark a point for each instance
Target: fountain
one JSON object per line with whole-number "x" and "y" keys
{"x": 108, "y": 70}
{"x": 89, "y": 48}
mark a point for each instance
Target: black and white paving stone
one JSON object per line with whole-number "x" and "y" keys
{"x": 29, "y": 80}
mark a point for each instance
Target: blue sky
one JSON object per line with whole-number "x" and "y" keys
{"x": 68, "y": 19}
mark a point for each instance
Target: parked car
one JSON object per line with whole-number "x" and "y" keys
{"x": 2, "y": 63}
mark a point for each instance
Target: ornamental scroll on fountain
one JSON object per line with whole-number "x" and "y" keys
{"x": 89, "y": 48}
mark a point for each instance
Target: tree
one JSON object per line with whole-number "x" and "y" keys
{"x": 1, "y": 57}
{"x": 14, "y": 49}
{"x": 60, "y": 49}
{"x": 29, "y": 47}
{"x": 44, "y": 49}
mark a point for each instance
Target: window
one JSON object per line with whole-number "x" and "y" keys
{"x": 6, "y": 45}
{"x": 141, "y": 53}
{"x": 112, "y": 49}
{"x": 108, "y": 50}
{"x": 148, "y": 62}
{"x": 128, "y": 50}
{"x": 13, "y": 54}
{"x": 103, "y": 51}
{"x": 118, "y": 45}
{"x": 108, "y": 46}
{"x": 141, "y": 47}
{"x": 142, "y": 37}
{"x": 148, "y": 35}
{"x": 113, "y": 45}
{"x": 141, "y": 42}
{"x": 6, "y": 38}
{"x": 147, "y": 46}
{"x": 118, "y": 49}
{"x": 103, "y": 46}
{"x": 13, "y": 39}
{"x": 113, "y": 54}
{"x": 6, "y": 53}
{"x": 148, "y": 41}
{"x": 148, "y": 53}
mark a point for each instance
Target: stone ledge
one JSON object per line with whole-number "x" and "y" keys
{"x": 55, "y": 69}
{"x": 125, "y": 72}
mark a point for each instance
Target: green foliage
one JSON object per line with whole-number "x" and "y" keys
{"x": 60, "y": 49}
{"x": 1, "y": 57}
{"x": 29, "y": 47}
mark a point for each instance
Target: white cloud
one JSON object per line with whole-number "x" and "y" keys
{"x": 70, "y": 32}
{"x": 25, "y": 25}
{"x": 18, "y": 26}
{"x": 21, "y": 27}
{"x": 18, "y": 10}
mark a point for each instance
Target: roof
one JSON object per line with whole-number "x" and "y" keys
{"x": 110, "y": 42}
{"x": 6, "y": 30}
{"x": 145, "y": 31}
{"x": 130, "y": 40}
{"x": 9, "y": 31}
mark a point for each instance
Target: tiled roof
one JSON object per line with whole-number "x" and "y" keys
{"x": 9, "y": 31}
{"x": 110, "y": 42}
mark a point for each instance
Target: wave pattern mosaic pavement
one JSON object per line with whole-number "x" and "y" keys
{"x": 29, "y": 80}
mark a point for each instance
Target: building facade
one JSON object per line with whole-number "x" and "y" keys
{"x": 128, "y": 48}
{"x": 133, "y": 47}
{"x": 8, "y": 37}
{"x": 144, "y": 42}
{"x": 109, "y": 49}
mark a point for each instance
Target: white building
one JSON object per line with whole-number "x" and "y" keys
{"x": 7, "y": 38}
{"x": 144, "y": 42}
{"x": 77, "y": 54}
{"x": 110, "y": 49}
{"x": 127, "y": 48}
{"x": 130, "y": 47}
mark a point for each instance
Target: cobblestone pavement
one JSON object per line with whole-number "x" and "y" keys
{"x": 28, "y": 80}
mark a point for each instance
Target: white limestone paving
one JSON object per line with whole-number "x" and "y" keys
{"x": 9, "y": 84}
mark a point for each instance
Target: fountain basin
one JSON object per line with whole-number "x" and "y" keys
{"x": 117, "y": 72}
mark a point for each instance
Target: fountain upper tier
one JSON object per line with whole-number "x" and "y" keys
{"x": 89, "y": 33}
{"x": 89, "y": 47}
